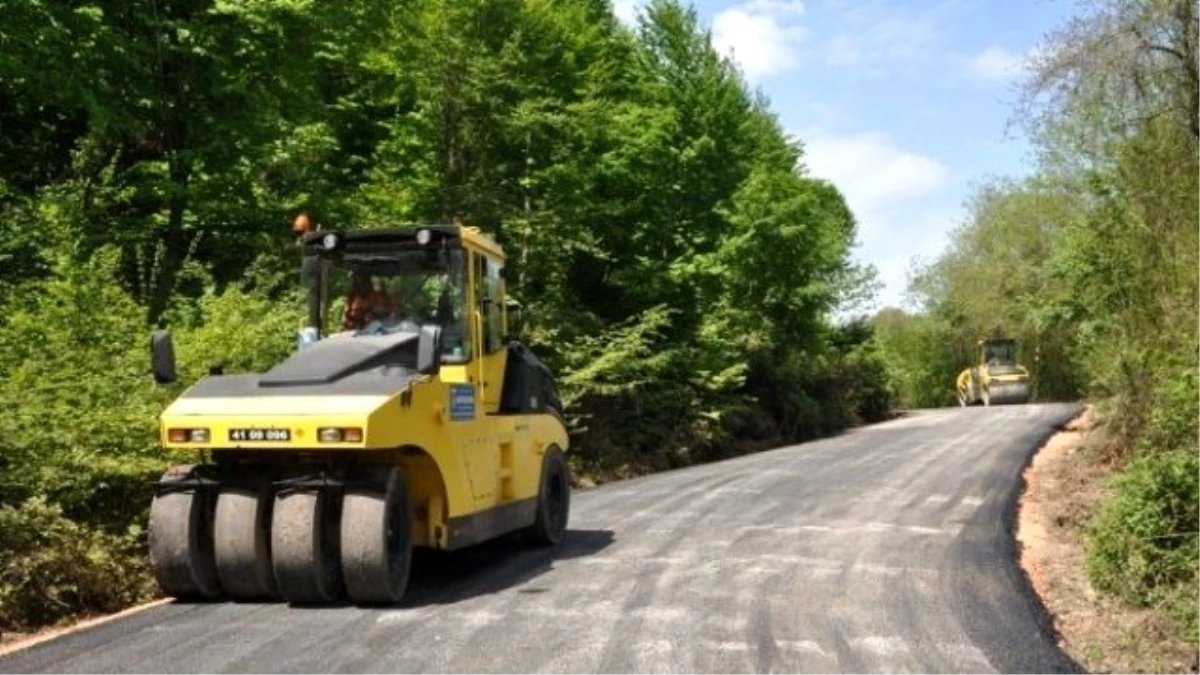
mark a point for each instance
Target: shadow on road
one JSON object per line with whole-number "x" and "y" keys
{"x": 445, "y": 577}
{"x": 440, "y": 577}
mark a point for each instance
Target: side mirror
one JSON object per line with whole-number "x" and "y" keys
{"x": 429, "y": 350}
{"x": 162, "y": 357}
{"x": 515, "y": 317}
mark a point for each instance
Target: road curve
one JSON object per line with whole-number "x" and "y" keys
{"x": 884, "y": 549}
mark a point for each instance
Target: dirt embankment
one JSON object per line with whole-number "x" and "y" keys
{"x": 11, "y": 642}
{"x": 1064, "y": 488}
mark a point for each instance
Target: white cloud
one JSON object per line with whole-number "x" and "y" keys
{"x": 776, "y": 7}
{"x": 901, "y": 199}
{"x": 995, "y": 64}
{"x": 871, "y": 170}
{"x": 763, "y": 36}
{"x": 874, "y": 38}
{"x": 627, "y": 10}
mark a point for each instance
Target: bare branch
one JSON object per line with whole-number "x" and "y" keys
{"x": 1166, "y": 50}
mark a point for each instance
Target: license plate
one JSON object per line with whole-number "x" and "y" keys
{"x": 260, "y": 435}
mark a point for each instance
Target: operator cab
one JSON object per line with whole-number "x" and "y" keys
{"x": 380, "y": 282}
{"x": 1000, "y": 354}
{"x": 386, "y": 281}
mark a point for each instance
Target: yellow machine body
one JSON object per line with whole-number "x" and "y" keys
{"x": 454, "y": 469}
{"x": 997, "y": 378}
{"x": 368, "y": 440}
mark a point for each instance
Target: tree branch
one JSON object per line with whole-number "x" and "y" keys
{"x": 1166, "y": 50}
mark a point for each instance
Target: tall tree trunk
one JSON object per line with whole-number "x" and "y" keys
{"x": 176, "y": 142}
{"x": 1185, "y": 16}
{"x": 451, "y": 150}
{"x": 174, "y": 241}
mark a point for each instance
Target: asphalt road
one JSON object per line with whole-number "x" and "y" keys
{"x": 885, "y": 549}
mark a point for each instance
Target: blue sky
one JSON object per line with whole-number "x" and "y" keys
{"x": 903, "y": 104}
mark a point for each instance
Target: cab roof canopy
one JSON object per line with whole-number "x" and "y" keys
{"x": 382, "y": 240}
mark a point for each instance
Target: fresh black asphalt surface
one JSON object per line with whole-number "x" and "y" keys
{"x": 884, "y": 549}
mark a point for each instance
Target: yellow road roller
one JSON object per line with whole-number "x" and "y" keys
{"x": 997, "y": 379}
{"x": 407, "y": 418}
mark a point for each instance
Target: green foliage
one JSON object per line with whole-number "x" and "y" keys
{"x": 81, "y": 422}
{"x": 78, "y": 445}
{"x": 1143, "y": 546}
{"x": 621, "y": 360}
{"x": 242, "y": 331}
{"x": 867, "y": 393}
{"x": 52, "y": 566}
{"x": 1173, "y": 422}
{"x": 921, "y": 355}
{"x": 810, "y": 394}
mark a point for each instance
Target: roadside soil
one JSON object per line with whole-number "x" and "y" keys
{"x": 1064, "y": 488}
{"x": 14, "y": 641}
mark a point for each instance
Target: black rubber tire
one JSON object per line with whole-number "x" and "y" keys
{"x": 304, "y": 547}
{"x": 242, "y": 539}
{"x": 181, "y": 545}
{"x": 377, "y": 539}
{"x": 554, "y": 501}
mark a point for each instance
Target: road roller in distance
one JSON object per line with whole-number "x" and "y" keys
{"x": 408, "y": 418}
{"x": 998, "y": 379}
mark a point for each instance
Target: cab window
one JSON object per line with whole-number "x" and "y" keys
{"x": 489, "y": 295}
{"x": 379, "y": 294}
{"x": 494, "y": 333}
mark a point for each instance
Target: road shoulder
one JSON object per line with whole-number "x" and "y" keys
{"x": 11, "y": 643}
{"x": 1064, "y": 487}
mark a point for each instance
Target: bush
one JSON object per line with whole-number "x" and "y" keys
{"x": 1172, "y": 421}
{"x": 712, "y": 400}
{"x": 1143, "y": 546}
{"x": 79, "y": 449}
{"x": 52, "y": 568}
{"x": 867, "y": 379}
{"x": 81, "y": 422}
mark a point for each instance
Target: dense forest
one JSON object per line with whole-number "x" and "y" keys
{"x": 676, "y": 264}
{"x": 1093, "y": 263}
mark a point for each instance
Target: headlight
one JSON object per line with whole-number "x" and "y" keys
{"x": 340, "y": 435}
{"x": 176, "y": 435}
{"x": 329, "y": 241}
{"x": 424, "y": 236}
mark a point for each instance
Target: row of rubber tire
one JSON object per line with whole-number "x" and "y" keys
{"x": 242, "y": 539}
